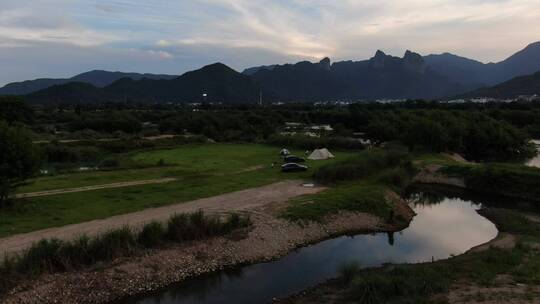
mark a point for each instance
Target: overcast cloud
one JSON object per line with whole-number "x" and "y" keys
{"x": 59, "y": 38}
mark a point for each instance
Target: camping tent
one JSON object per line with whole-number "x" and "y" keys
{"x": 284, "y": 152}
{"x": 321, "y": 154}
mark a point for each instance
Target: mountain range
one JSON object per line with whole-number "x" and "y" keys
{"x": 213, "y": 83}
{"x": 519, "y": 86}
{"x": 96, "y": 78}
{"x": 380, "y": 77}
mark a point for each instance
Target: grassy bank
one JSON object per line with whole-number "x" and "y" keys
{"x": 360, "y": 183}
{"x": 50, "y": 256}
{"x": 200, "y": 171}
{"x": 352, "y": 196}
{"x": 503, "y": 179}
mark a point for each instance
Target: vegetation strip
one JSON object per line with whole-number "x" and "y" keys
{"x": 229, "y": 202}
{"x": 53, "y": 255}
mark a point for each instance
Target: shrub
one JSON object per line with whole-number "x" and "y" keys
{"x": 113, "y": 244}
{"x": 501, "y": 179}
{"x": 178, "y": 227}
{"x": 348, "y": 270}
{"x": 49, "y": 256}
{"x": 401, "y": 284}
{"x": 41, "y": 257}
{"x": 196, "y": 226}
{"x": 152, "y": 235}
{"x": 364, "y": 164}
{"x": 396, "y": 177}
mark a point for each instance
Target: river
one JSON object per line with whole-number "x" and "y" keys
{"x": 444, "y": 226}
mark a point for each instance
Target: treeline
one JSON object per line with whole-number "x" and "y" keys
{"x": 311, "y": 143}
{"x": 484, "y": 132}
{"x": 93, "y": 151}
{"x": 475, "y": 135}
{"x": 500, "y": 179}
{"x": 19, "y": 159}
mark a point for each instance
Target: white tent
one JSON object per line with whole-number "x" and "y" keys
{"x": 321, "y": 154}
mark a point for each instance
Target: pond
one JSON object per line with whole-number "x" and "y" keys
{"x": 444, "y": 226}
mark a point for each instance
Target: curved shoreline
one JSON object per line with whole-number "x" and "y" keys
{"x": 503, "y": 240}
{"x": 269, "y": 238}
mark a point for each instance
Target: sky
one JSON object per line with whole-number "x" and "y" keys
{"x": 61, "y": 38}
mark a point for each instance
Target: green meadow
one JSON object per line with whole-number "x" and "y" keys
{"x": 200, "y": 171}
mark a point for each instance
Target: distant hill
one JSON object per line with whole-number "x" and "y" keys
{"x": 96, "y": 78}
{"x": 522, "y": 85}
{"x": 71, "y": 92}
{"x": 382, "y": 76}
{"x": 464, "y": 70}
{"x": 458, "y": 69}
{"x": 219, "y": 82}
{"x": 253, "y": 70}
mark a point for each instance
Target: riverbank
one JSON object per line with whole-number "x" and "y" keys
{"x": 505, "y": 180}
{"x": 269, "y": 238}
{"x": 504, "y": 270}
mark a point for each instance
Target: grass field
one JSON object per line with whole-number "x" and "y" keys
{"x": 201, "y": 171}
{"x": 362, "y": 196}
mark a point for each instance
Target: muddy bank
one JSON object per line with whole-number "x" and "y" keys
{"x": 269, "y": 238}
{"x": 431, "y": 175}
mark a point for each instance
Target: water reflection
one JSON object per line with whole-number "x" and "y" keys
{"x": 535, "y": 162}
{"x": 443, "y": 227}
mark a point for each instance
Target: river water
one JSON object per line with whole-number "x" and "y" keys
{"x": 535, "y": 162}
{"x": 444, "y": 226}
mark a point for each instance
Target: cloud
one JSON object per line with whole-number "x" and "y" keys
{"x": 193, "y": 33}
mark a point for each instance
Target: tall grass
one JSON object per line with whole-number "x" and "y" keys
{"x": 53, "y": 255}
{"x": 399, "y": 285}
{"x": 348, "y": 270}
{"x": 366, "y": 163}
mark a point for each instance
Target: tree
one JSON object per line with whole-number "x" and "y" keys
{"x": 13, "y": 109}
{"x": 19, "y": 159}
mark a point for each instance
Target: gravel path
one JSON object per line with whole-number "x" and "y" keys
{"x": 235, "y": 201}
{"x": 95, "y": 187}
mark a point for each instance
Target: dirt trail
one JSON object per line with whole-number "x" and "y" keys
{"x": 235, "y": 201}
{"x": 95, "y": 187}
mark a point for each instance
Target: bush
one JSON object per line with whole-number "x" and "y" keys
{"x": 401, "y": 284}
{"x": 501, "y": 179}
{"x": 113, "y": 244}
{"x": 41, "y": 257}
{"x": 361, "y": 166}
{"x": 49, "y": 256}
{"x": 348, "y": 270}
{"x": 152, "y": 235}
{"x": 396, "y": 177}
{"x": 196, "y": 226}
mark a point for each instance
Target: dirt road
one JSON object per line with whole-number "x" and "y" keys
{"x": 95, "y": 187}
{"x": 235, "y": 201}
